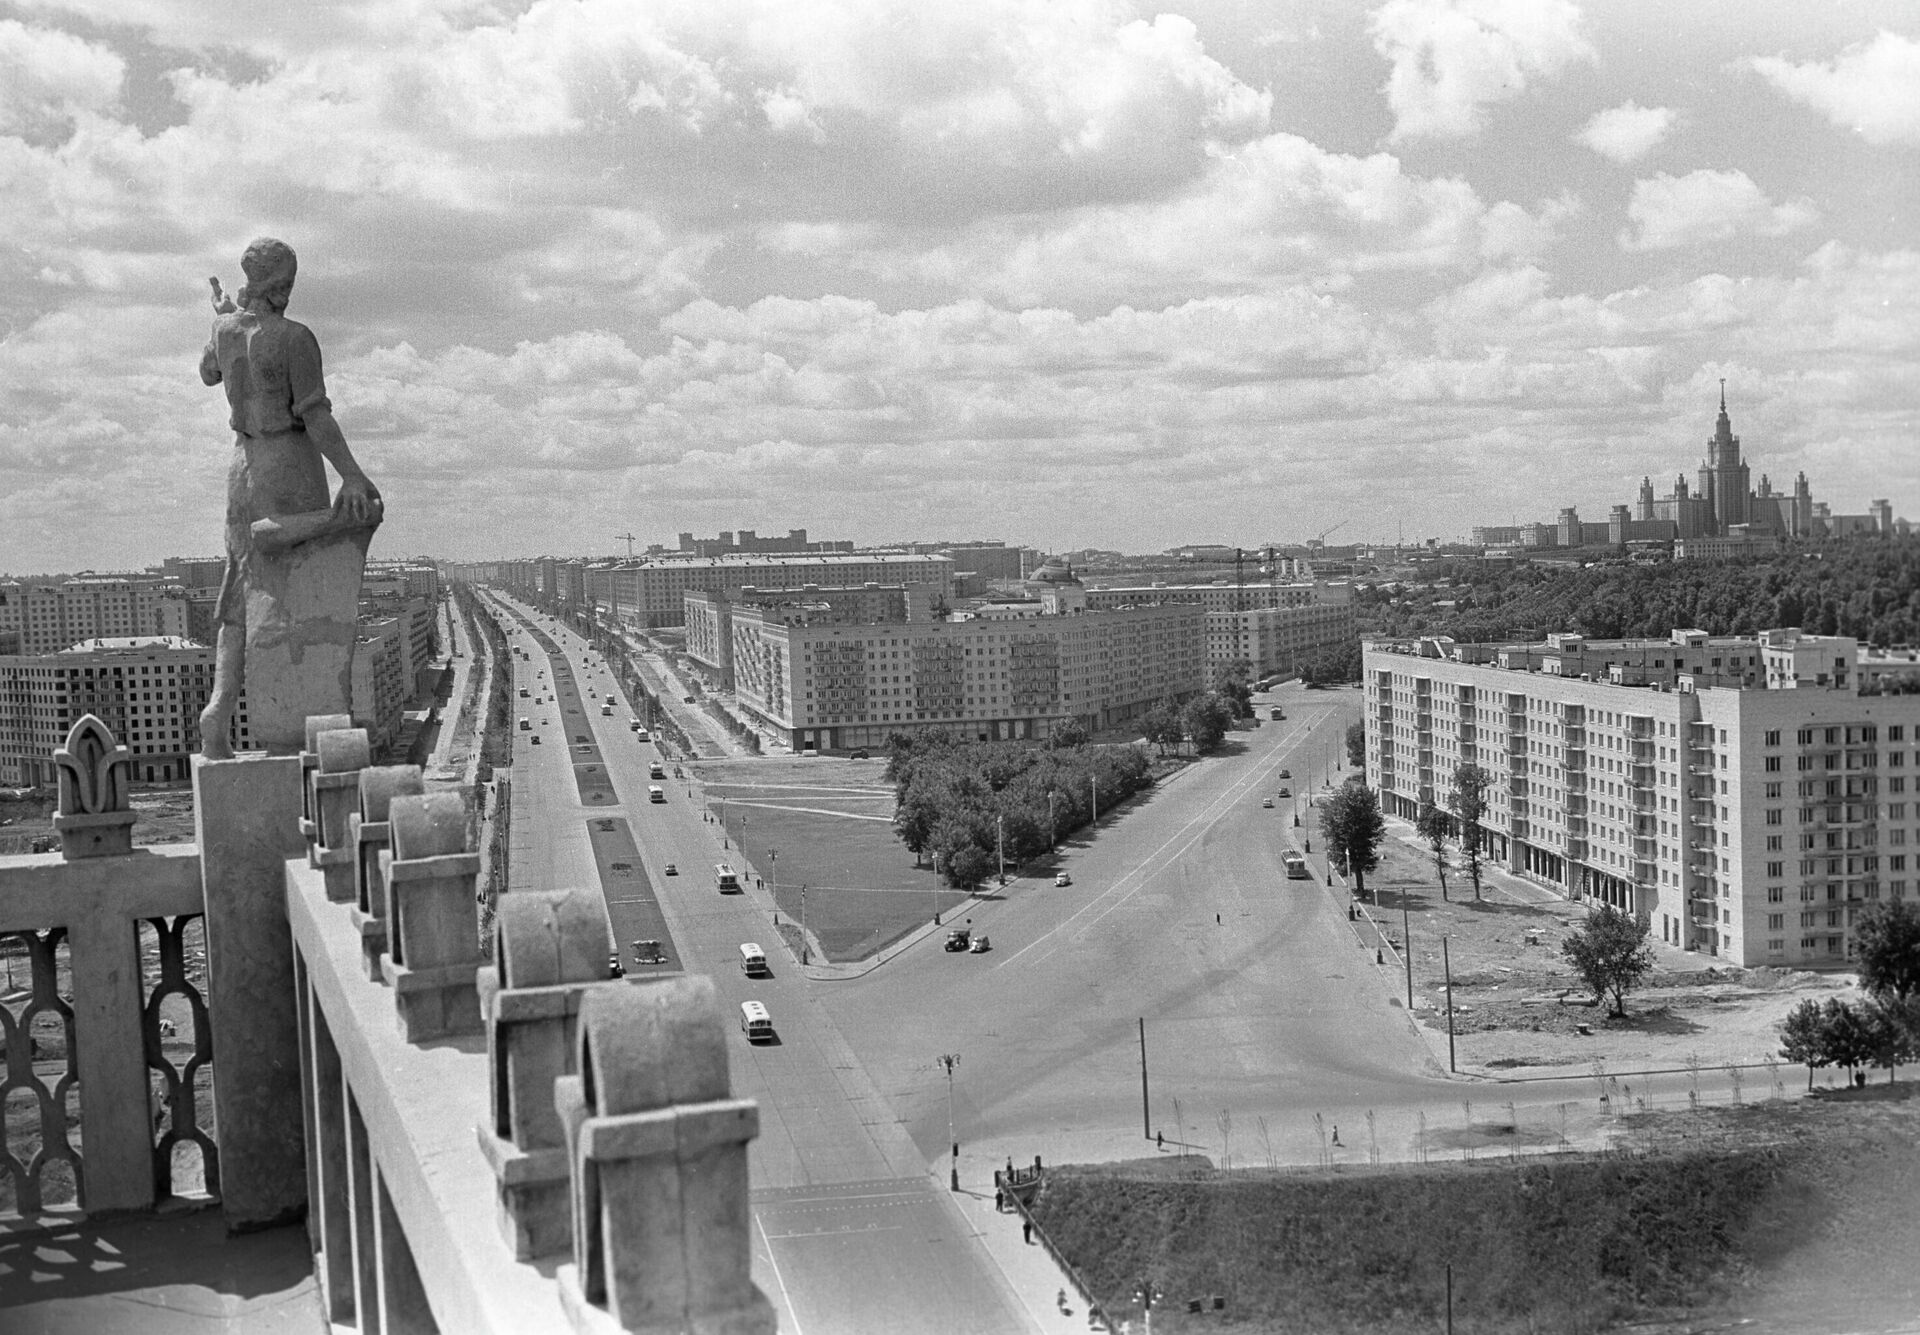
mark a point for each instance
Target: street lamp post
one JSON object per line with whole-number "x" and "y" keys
{"x": 803, "y": 925}
{"x": 1000, "y": 845}
{"x": 1093, "y": 787}
{"x": 936, "y": 887}
{"x": 949, "y": 1060}
{"x": 773, "y": 858}
{"x": 1053, "y": 830}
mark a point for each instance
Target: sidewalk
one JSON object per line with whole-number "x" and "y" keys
{"x": 1030, "y": 1272}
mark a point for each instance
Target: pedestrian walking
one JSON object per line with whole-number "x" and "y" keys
{"x": 1159, "y": 1141}
{"x": 1336, "y": 1136}
{"x": 1026, "y": 1231}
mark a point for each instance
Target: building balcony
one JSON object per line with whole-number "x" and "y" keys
{"x": 1576, "y": 848}
{"x": 420, "y": 1104}
{"x": 1575, "y": 780}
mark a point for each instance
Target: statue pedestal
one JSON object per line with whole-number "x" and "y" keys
{"x": 302, "y": 603}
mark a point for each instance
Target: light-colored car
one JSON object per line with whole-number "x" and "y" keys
{"x": 672, "y": 870}
{"x": 1266, "y": 802}
{"x": 1061, "y": 878}
{"x": 981, "y": 945}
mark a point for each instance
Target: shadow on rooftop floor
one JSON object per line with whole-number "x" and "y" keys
{"x": 176, "y": 1274}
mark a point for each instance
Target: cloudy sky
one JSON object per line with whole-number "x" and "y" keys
{"x": 1065, "y": 272}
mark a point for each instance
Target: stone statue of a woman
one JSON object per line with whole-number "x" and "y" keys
{"x": 294, "y": 555}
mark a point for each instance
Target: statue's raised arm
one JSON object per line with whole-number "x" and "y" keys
{"x": 295, "y": 553}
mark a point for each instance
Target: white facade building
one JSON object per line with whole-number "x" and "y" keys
{"x": 1747, "y": 795}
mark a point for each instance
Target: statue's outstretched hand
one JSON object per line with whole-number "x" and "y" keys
{"x": 222, "y": 303}
{"x": 359, "y": 501}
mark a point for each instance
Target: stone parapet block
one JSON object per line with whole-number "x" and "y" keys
{"x": 369, "y": 832}
{"x": 432, "y": 922}
{"x": 550, "y": 947}
{"x": 657, "y": 1151}
{"x": 335, "y": 788}
{"x": 310, "y": 761}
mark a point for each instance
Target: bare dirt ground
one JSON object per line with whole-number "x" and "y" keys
{"x": 1517, "y": 1004}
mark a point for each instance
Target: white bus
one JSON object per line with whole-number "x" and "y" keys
{"x": 753, "y": 960}
{"x": 1295, "y": 864}
{"x": 755, "y": 1023}
{"x": 724, "y": 879}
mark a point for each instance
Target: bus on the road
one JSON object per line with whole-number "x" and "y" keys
{"x": 1295, "y": 864}
{"x": 724, "y": 879}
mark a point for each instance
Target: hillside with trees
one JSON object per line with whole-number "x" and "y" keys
{"x": 1866, "y": 588}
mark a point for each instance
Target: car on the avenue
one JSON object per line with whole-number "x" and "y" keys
{"x": 859, "y": 753}
{"x": 672, "y": 870}
{"x": 981, "y": 945}
{"x": 1061, "y": 878}
{"x": 1286, "y": 774}
{"x": 1285, "y": 791}
{"x": 958, "y": 938}
{"x": 1266, "y": 802}
{"x": 535, "y": 739}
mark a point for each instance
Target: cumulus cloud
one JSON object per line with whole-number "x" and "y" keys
{"x": 1872, "y": 88}
{"x": 48, "y": 76}
{"x": 1626, "y": 133}
{"x": 1452, "y": 58}
{"x": 1706, "y": 205}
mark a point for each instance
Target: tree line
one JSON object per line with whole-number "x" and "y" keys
{"x": 1867, "y": 588}
{"x": 1884, "y": 1028}
{"x": 964, "y": 802}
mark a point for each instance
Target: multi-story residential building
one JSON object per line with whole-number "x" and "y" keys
{"x": 709, "y": 616}
{"x": 1270, "y": 640}
{"x": 1222, "y": 595}
{"x": 1746, "y": 794}
{"x": 381, "y": 680}
{"x": 149, "y": 691}
{"x": 652, "y": 593}
{"x": 1013, "y": 671}
{"x": 45, "y": 616}
{"x": 746, "y": 541}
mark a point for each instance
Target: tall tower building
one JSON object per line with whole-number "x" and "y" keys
{"x": 1725, "y": 482}
{"x": 1644, "y": 509}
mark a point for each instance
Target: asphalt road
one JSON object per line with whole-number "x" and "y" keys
{"x": 1257, "y": 1001}
{"x": 853, "y": 1231}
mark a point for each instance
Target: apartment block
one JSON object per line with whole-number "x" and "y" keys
{"x": 44, "y": 616}
{"x": 1011, "y": 672}
{"x": 149, "y": 691}
{"x": 652, "y": 593}
{"x": 1747, "y": 794}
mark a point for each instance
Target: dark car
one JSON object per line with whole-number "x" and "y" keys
{"x": 958, "y": 938}
{"x": 859, "y": 753}
{"x": 1286, "y": 792}
{"x": 1286, "y": 774}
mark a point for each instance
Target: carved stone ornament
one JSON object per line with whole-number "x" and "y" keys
{"x": 95, "y": 817}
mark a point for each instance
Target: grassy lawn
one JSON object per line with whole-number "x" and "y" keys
{"x": 862, "y": 889}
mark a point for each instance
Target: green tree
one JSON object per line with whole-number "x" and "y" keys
{"x": 1357, "y": 745}
{"x": 1230, "y": 683}
{"x": 1886, "y": 940}
{"x": 1468, "y": 803}
{"x": 1205, "y": 718}
{"x": 1160, "y": 725}
{"x": 1068, "y": 732}
{"x": 1610, "y": 953}
{"x": 1351, "y": 824}
{"x": 1802, "y": 1037}
{"x": 1889, "y": 1038}
{"x": 1435, "y": 827}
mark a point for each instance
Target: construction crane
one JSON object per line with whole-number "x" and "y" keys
{"x": 629, "y": 539}
{"x": 1320, "y": 538}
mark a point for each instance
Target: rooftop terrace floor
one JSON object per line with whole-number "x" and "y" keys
{"x": 174, "y": 1274}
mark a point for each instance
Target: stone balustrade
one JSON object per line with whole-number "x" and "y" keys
{"x": 349, "y": 1084}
